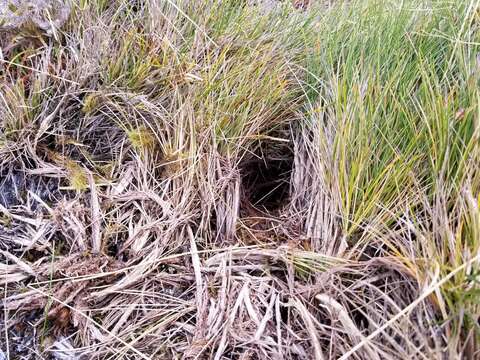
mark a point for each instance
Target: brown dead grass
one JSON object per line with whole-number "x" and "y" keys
{"x": 169, "y": 190}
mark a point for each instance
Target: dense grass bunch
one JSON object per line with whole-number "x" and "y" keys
{"x": 240, "y": 180}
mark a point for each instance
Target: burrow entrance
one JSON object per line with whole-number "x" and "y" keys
{"x": 265, "y": 176}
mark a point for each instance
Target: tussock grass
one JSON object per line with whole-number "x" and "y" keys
{"x": 139, "y": 141}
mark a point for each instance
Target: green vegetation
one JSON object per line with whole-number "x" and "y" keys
{"x": 239, "y": 180}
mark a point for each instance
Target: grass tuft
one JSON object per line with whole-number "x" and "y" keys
{"x": 240, "y": 180}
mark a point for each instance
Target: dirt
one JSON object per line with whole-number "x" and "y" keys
{"x": 43, "y": 15}
{"x": 15, "y": 186}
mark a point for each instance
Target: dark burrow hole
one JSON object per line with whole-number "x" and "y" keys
{"x": 266, "y": 177}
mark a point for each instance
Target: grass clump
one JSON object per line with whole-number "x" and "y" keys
{"x": 173, "y": 121}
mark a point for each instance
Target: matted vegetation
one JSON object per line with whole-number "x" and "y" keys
{"x": 207, "y": 179}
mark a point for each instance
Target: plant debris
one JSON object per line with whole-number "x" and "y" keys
{"x": 239, "y": 179}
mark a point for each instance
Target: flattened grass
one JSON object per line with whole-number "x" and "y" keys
{"x": 151, "y": 112}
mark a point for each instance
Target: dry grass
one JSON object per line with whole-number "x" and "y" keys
{"x": 240, "y": 180}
